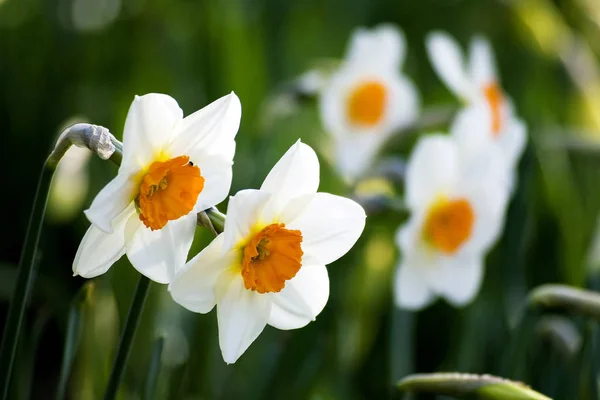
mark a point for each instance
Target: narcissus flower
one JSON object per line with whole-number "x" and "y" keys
{"x": 367, "y": 98}
{"x": 268, "y": 266}
{"x": 488, "y": 118}
{"x": 456, "y": 215}
{"x": 172, "y": 168}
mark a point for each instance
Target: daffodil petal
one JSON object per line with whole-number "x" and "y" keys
{"x": 98, "y": 250}
{"x": 241, "y": 315}
{"x": 210, "y": 130}
{"x": 433, "y": 168}
{"x": 159, "y": 254}
{"x": 486, "y": 179}
{"x": 111, "y": 201}
{"x": 404, "y": 104}
{"x": 448, "y": 62}
{"x": 193, "y": 287}
{"x": 148, "y": 129}
{"x": 330, "y": 226}
{"x": 481, "y": 62}
{"x": 243, "y": 213}
{"x": 295, "y": 174}
{"x": 489, "y": 202}
{"x": 513, "y": 141}
{"x": 302, "y": 299}
{"x": 355, "y": 154}
{"x": 408, "y": 235}
{"x": 217, "y": 173}
{"x": 472, "y": 129}
{"x": 411, "y": 290}
{"x": 385, "y": 44}
{"x": 458, "y": 279}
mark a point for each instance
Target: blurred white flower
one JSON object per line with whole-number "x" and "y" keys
{"x": 367, "y": 98}
{"x": 268, "y": 266}
{"x": 456, "y": 208}
{"x": 488, "y": 118}
{"x": 70, "y": 185}
{"x": 172, "y": 168}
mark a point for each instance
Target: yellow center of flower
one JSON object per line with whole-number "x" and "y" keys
{"x": 271, "y": 257}
{"x": 449, "y": 224}
{"x": 495, "y": 98}
{"x": 168, "y": 191}
{"x": 366, "y": 104}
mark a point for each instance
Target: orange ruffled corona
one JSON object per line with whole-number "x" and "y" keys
{"x": 366, "y": 104}
{"x": 272, "y": 256}
{"x": 495, "y": 98}
{"x": 168, "y": 191}
{"x": 449, "y": 224}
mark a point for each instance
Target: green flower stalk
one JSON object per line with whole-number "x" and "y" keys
{"x": 562, "y": 297}
{"x": 100, "y": 141}
{"x": 469, "y": 386}
{"x": 131, "y": 324}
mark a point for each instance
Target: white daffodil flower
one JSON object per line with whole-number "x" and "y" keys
{"x": 488, "y": 118}
{"x": 268, "y": 265}
{"x": 367, "y": 98}
{"x": 172, "y": 168}
{"x": 456, "y": 216}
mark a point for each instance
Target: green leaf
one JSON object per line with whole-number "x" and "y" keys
{"x": 153, "y": 369}
{"x": 570, "y": 299}
{"x": 73, "y": 337}
{"x": 469, "y": 386}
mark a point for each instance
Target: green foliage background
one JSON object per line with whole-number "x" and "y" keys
{"x": 196, "y": 51}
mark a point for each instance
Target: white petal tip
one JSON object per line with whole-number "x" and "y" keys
{"x": 230, "y": 360}
{"x": 106, "y": 228}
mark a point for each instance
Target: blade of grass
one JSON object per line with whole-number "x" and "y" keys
{"x": 73, "y": 338}
{"x": 131, "y": 324}
{"x": 153, "y": 369}
{"x": 588, "y": 383}
{"x": 402, "y": 339}
{"x": 516, "y": 359}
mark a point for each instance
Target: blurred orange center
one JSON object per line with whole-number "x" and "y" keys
{"x": 272, "y": 256}
{"x": 449, "y": 224}
{"x": 495, "y": 98}
{"x": 168, "y": 191}
{"x": 366, "y": 104}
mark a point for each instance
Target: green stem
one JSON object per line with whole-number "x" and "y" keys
{"x": 131, "y": 324}
{"x": 217, "y": 219}
{"x": 117, "y": 156}
{"x": 24, "y": 280}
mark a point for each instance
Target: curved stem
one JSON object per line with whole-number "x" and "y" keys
{"x": 216, "y": 218}
{"x": 24, "y": 280}
{"x": 131, "y": 324}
